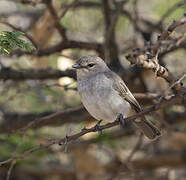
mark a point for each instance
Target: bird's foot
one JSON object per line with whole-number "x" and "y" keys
{"x": 97, "y": 127}
{"x": 121, "y": 120}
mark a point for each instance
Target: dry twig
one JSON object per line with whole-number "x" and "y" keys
{"x": 148, "y": 57}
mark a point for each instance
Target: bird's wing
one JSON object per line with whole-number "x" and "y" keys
{"x": 122, "y": 89}
{"x": 147, "y": 127}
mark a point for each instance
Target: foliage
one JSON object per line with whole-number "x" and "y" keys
{"x": 10, "y": 40}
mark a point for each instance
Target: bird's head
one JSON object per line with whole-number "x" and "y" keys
{"x": 89, "y": 65}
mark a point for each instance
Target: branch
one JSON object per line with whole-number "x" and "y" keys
{"x": 143, "y": 60}
{"x": 148, "y": 57}
{"x": 34, "y": 74}
{"x": 180, "y": 98}
{"x": 170, "y": 11}
{"x": 14, "y": 121}
{"x": 110, "y": 46}
{"x": 70, "y": 44}
{"x": 171, "y": 28}
{"x": 59, "y": 27}
{"x": 173, "y": 48}
{"x": 124, "y": 12}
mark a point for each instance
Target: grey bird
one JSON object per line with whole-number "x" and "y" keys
{"x": 105, "y": 95}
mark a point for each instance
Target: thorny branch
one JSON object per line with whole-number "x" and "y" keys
{"x": 143, "y": 60}
{"x": 14, "y": 121}
{"x": 148, "y": 57}
{"x": 180, "y": 98}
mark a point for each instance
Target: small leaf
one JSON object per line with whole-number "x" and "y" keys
{"x": 8, "y": 52}
{"x": 10, "y": 40}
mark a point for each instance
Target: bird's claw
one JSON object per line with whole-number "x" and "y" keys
{"x": 97, "y": 127}
{"x": 121, "y": 120}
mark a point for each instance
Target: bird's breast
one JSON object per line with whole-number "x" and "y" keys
{"x": 100, "y": 99}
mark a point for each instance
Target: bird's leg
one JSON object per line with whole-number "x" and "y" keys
{"x": 97, "y": 127}
{"x": 121, "y": 120}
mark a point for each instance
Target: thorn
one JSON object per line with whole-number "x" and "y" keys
{"x": 65, "y": 144}
{"x": 65, "y": 141}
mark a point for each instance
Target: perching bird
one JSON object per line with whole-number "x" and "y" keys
{"x": 105, "y": 95}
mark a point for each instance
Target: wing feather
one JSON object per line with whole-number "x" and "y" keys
{"x": 147, "y": 127}
{"x": 124, "y": 92}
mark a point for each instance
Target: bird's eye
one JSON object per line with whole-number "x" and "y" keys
{"x": 91, "y": 65}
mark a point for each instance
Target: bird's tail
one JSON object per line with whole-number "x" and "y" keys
{"x": 150, "y": 130}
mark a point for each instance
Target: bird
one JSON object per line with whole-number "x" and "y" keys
{"x": 105, "y": 95}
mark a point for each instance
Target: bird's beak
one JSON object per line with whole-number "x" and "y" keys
{"x": 76, "y": 66}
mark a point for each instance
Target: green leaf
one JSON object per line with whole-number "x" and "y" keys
{"x": 11, "y": 39}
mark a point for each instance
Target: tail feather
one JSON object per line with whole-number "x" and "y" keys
{"x": 150, "y": 130}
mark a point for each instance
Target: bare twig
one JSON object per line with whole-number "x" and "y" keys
{"x": 172, "y": 85}
{"x": 56, "y": 19}
{"x": 136, "y": 148}
{"x": 65, "y": 10}
{"x": 171, "y": 28}
{"x": 10, "y": 169}
{"x": 70, "y": 44}
{"x": 148, "y": 57}
{"x": 170, "y": 11}
{"x": 143, "y": 60}
{"x": 14, "y": 154}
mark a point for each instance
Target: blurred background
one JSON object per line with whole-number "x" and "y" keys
{"x": 41, "y": 83}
